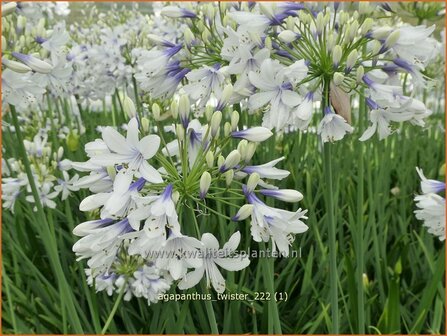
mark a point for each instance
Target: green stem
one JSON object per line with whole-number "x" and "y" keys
{"x": 114, "y": 309}
{"x": 327, "y": 161}
{"x": 360, "y": 226}
{"x": 268, "y": 274}
{"x": 210, "y": 311}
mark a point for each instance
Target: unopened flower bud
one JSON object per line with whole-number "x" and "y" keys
{"x": 366, "y": 26}
{"x": 220, "y": 161}
{"x": 21, "y": 22}
{"x": 253, "y": 181}
{"x": 176, "y": 12}
{"x": 395, "y": 191}
{"x": 184, "y": 107}
{"x": 288, "y": 36}
{"x": 242, "y": 148}
{"x": 338, "y": 78}
{"x": 255, "y": 134}
{"x": 353, "y": 30}
{"x": 174, "y": 109}
{"x": 227, "y": 93}
{"x": 229, "y": 175}
{"x": 359, "y": 74}
{"x": 231, "y": 161}
{"x": 175, "y": 196}
{"x": 251, "y": 148}
{"x": 215, "y": 123}
{"x": 145, "y": 124}
{"x": 244, "y": 212}
{"x": 205, "y": 182}
{"x": 60, "y": 153}
{"x": 285, "y": 195}
{"x": 209, "y": 110}
{"x": 72, "y": 141}
{"x": 351, "y": 60}
{"x": 156, "y": 111}
{"x": 34, "y": 63}
{"x": 8, "y": 8}
{"x": 336, "y": 55}
{"x": 15, "y": 66}
{"x": 392, "y": 39}
{"x": 234, "y": 120}
{"x": 319, "y": 23}
{"x": 209, "y": 159}
{"x": 180, "y": 132}
{"x": 188, "y": 36}
{"x": 365, "y": 281}
{"x": 129, "y": 107}
{"x": 227, "y": 129}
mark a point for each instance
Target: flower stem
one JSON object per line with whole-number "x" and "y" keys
{"x": 359, "y": 226}
{"x": 268, "y": 274}
{"x": 114, "y": 309}
{"x": 210, "y": 311}
{"x": 332, "y": 237}
{"x": 331, "y": 224}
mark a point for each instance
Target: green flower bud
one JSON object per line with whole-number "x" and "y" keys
{"x": 234, "y": 120}
{"x": 205, "y": 182}
{"x": 209, "y": 159}
{"x": 215, "y": 123}
{"x": 145, "y": 124}
{"x": 338, "y": 78}
{"x": 336, "y": 55}
{"x": 253, "y": 181}
{"x": 129, "y": 107}
{"x": 72, "y": 141}
{"x": 229, "y": 175}
{"x": 180, "y": 132}
{"x": 227, "y": 129}
{"x": 392, "y": 39}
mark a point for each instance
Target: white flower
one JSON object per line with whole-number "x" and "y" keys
{"x": 333, "y": 127}
{"x": 100, "y": 242}
{"x": 131, "y": 151}
{"x": 430, "y": 186}
{"x": 276, "y": 83}
{"x": 302, "y": 114}
{"x": 178, "y": 253}
{"x": 381, "y": 117}
{"x": 67, "y": 185}
{"x": 46, "y": 196}
{"x": 148, "y": 283}
{"x": 213, "y": 256}
{"x": 268, "y": 170}
{"x": 58, "y": 39}
{"x": 432, "y": 212}
{"x": 279, "y": 225}
{"x": 19, "y": 89}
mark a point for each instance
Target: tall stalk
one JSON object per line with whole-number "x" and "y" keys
{"x": 360, "y": 224}
{"x": 327, "y": 168}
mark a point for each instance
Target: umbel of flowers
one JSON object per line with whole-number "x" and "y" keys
{"x": 142, "y": 182}
{"x": 283, "y": 59}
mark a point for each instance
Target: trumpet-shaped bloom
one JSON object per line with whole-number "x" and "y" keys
{"x": 333, "y": 127}
{"x": 130, "y": 151}
{"x": 212, "y": 257}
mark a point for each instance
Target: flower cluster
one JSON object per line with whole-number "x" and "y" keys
{"x": 140, "y": 184}
{"x": 431, "y": 206}
{"x": 283, "y": 58}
